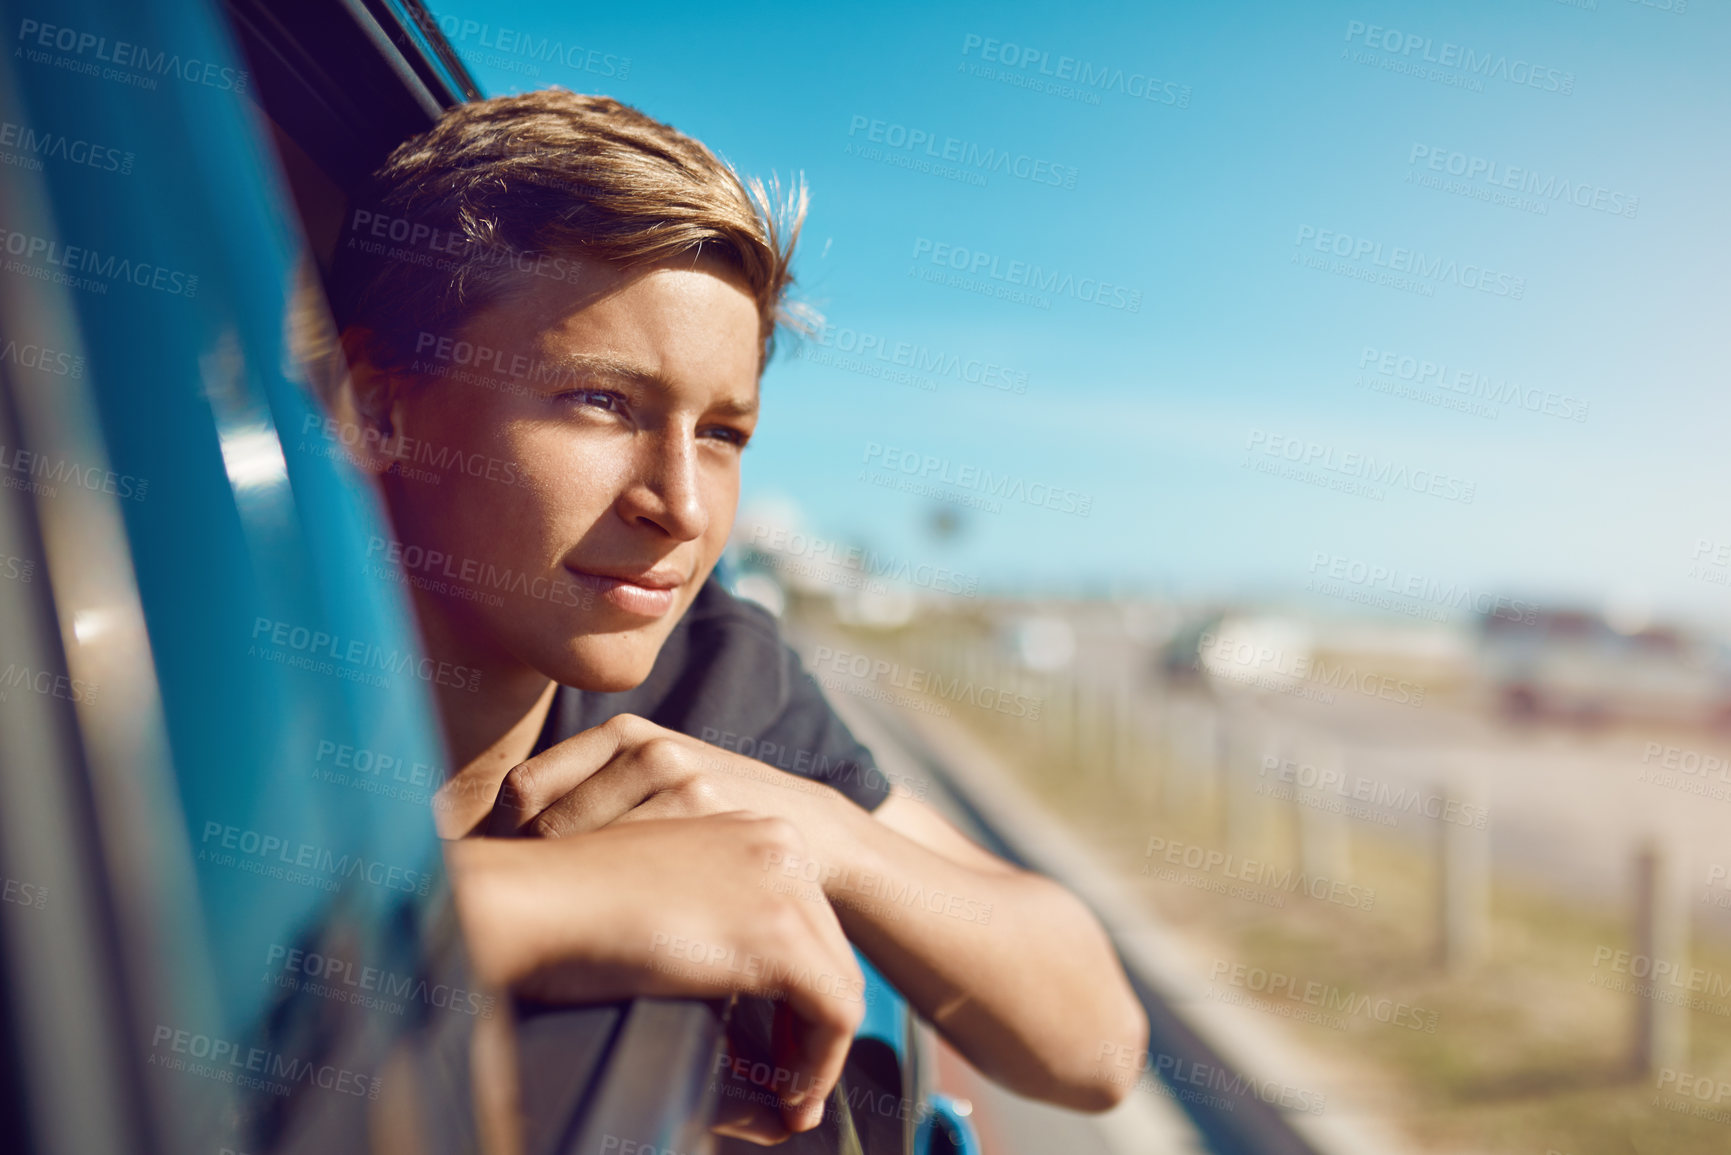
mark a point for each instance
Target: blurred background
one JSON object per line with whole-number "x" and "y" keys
{"x": 1287, "y": 442}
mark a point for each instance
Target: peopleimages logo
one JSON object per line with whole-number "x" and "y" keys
{"x": 356, "y": 657}
{"x": 23, "y": 893}
{"x": 958, "y": 688}
{"x": 1273, "y": 984}
{"x": 407, "y": 452}
{"x": 45, "y": 682}
{"x": 46, "y": 474}
{"x": 469, "y": 579}
{"x": 974, "y": 263}
{"x": 375, "y": 771}
{"x": 417, "y": 243}
{"x": 1185, "y": 1073}
{"x": 1400, "y": 48}
{"x": 42, "y": 359}
{"x": 1358, "y": 788}
{"x": 278, "y": 857}
{"x": 328, "y": 976}
{"x": 529, "y": 48}
{"x": 1652, "y": 971}
{"x": 37, "y": 40}
{"x": 1286, "y": 880}
{"x": 252, "y": 1067}
{"x": 1471, "y": 384}
{"x": 1475, "y": 171}
{"x": 1351, "y": 470}
{"x": 1370, "y": 262}
{"x": 944, "y": 471}
{"x": 781, "y": 543}
{"x": 34, "y": 145}
{"x": 985, "y": 159}
{"x": 904, "y": 362}
{"x": 70, "y": 262}
{"x": 1066, "y": 76}
{"x": 1239, "y": 659}
{"x": 1375, "y": 578}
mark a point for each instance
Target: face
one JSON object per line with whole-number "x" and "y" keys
{"x": 575, "y": 467}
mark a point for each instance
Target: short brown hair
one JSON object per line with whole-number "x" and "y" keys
{"x": 526, "y": 182}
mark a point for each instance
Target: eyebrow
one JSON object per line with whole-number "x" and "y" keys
{"x": 618, "y": 369}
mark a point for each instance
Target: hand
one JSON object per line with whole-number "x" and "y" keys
{"x": 677, "y": 908}
{"x": 629, "y": 768}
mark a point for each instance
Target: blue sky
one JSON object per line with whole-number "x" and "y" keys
{"x": 1275, "y": 127}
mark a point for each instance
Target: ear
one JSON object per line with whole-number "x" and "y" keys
{"x": 363, "y": 404}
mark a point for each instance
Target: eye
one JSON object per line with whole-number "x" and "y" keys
{"x": 604, "y": 399}
{"x": 727, "y": 435}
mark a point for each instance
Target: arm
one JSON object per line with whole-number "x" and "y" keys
{"x": 1010, "y": 966}
{"x": 671, "y": 909}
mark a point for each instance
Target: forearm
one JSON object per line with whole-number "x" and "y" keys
{"x": 1014, "y": 970}
{"x": 671, "y": 908}
{"x": 494, "y": 893}
{"x": 503, "y": 895}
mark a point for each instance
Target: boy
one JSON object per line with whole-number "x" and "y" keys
{"x": 556, "y": 311}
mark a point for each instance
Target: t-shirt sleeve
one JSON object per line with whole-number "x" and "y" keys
{"x": 810, "y": 723}
{"x": 733, "y": 682}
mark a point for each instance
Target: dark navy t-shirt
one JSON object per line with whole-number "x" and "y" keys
{"x": 725, "y": 677}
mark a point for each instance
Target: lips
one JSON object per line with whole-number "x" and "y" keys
{"x": 647, "y": 593}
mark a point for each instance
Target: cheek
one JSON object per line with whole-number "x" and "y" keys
{"x": 561, "y": 485}
{"x": 490, "y": 487}
{"x": 586, "y": 471}
{"x": 721, "y": 497}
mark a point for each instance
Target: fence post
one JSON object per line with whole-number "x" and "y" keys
{"x": 1133, "y": 767}
{"x": 1244, "y": 735}
{"x": 1177, "y": 733}
{"x": 1463, "y": 887}
{"x": 1203, "y": 759}
{"x": 1083, "y": 739}
{"x": 1324, "y": 846}
{"x": 1661, "y": 933}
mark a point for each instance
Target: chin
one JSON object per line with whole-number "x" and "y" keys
{"x": 607, "y": 666}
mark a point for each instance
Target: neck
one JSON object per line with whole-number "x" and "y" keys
{"x": 488, "y": 729}
{"x": 486, "y": 740}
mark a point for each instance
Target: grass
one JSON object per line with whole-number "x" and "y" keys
{"x": 1527, "y": 1057}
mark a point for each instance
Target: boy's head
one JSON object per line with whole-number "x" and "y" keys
{"x": 555, "y": 311}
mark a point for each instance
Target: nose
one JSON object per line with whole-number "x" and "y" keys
{"x": 667, "y": 491}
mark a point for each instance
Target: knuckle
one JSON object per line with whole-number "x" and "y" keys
{"x": 517, "y": 788}
{"x": 703, "y": 794}
{"x": 777, "y": 833}
{"x": 545, "y": 826}
{"x": 783, "y": 925}
{"x": 663, "y": 750}
{"x": 662, "y": 762}
{"x": 847, "y": 1013}
{"x": 626, "y": 725}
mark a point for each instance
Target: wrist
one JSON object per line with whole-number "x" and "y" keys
{"x": 505, "y": 890}
{"x": 479, "y": 870}
{"x": 847, "y": 846}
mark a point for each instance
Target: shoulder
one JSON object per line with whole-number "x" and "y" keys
{"x": 726, "y": 675}
{"x": 716, "y": 610}
{"x": 725, "y": 635}
{"x": 726, "y": 660}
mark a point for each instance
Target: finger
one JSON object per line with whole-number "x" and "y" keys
{"x": 663, "y": 806}
{"x": 814, "y": 1047}
{"x": 788, "y": 1040}
{"x": 763, "y": 1126}
{"x": 532, "y": 786}
{"x": 640, "y": 772}
{"x": 745, "y": 1110}
{"x": 825, "y": 1004}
